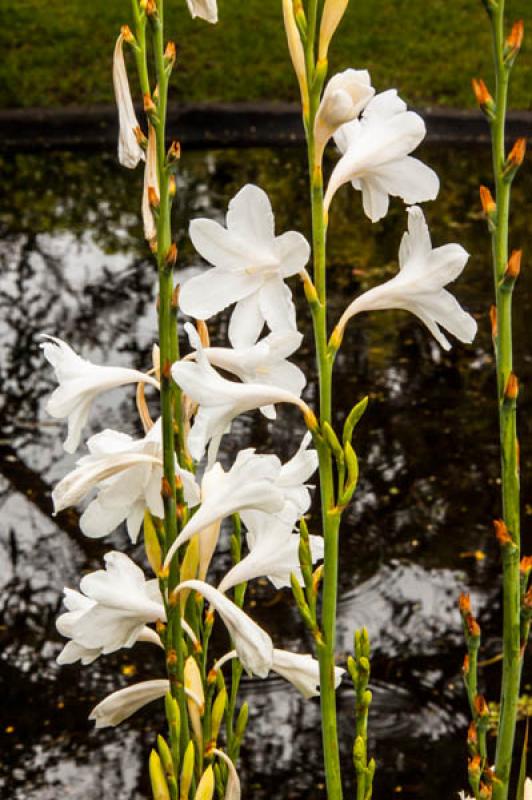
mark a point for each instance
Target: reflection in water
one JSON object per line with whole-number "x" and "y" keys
{"x": 73, "y": 263}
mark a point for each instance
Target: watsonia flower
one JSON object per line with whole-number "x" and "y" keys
{"x": 375, "y": 157}
{"x": 129, "y": 150}
{"x": 250, "y": 263}
{"x": 80, "y": 382}
{"x": 419, "y": 285}
{"x": 345, "y": 96}
{"x": 111, "y": 612}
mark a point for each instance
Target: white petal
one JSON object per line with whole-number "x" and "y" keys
{"x": 120, "y": 705}
{"x": 294, "y": 253}
{"x": 410, "y": 179}
{"x": 205, "y": 9}
{"x": 246, "y": 322}
{"x": 223, "y": 248}
{"x": 250, "y": 217}
{"x": 277, "y": 307}
{"x": 205, "y": 295}
{"x": 129, "y": 150}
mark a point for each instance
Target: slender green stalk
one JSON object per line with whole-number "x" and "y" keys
{"x": 503, "y": 342}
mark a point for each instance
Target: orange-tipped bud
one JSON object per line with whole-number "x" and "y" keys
{"x": 489, "y": 206}
{"x": 525, "y": 565}
{"x": 473, "y": 627}
{"x": 140, "y": 137}
{"x": 171, "y": 254}
{"x": 513, "y": 268}
{"x": 166, "y": 489}
{"x": 465, "y": 665}
{"x": 150, "y": 7}
{"x": 472, "y": 736}
{"x": 172, "y": 186}
{"x": 493, "y": 320}
{"x": 482, "y": 94}
{"x": 515, "y": 39}
{"x": 153, "y": 197}
{"x": 473, "y": 766}
{"x": 148, "y": 103}
{"x": 485, "y": 792}
{"x": 464, "y": 603}
{"x": 516, "y": 156}
{"x": 125, "y": 30}
{"x": 171, "y": 658}
{"x": 512, "y": 387}
{"x": 170, "y": 51}
{"x": 174, "y": 153}
{"x": 527, "y": 599}
{"x": 481, "y": 707}
{"x": 160, "y": 627}
{"x": 501, "y": 532}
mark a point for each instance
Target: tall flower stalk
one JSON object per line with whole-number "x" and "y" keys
{"x": 506, "y": 267}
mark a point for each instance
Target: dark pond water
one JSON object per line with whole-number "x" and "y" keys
{"x": 73, "y": 264}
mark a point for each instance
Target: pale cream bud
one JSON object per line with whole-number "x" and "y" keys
{"x": 332, "y": 15}
{"x": 297, "y": 53}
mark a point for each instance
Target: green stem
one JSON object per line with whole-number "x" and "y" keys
{"x": 507, "y": 422}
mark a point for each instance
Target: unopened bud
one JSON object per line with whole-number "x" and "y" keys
{"x": 242, "y": 721}
{"x": 466, "y": 665}
{"x": 489, "y": 206}
{"x": 473, "y": 767}
{"x": 359, "y": 753}
{"x": 525, "y": 565}
{"x": 336, "y": 338}
{"x": 218, "y": 711}
{"x": 158, "y": 780}
{"x": 514, "y": 41}
{"x": 485, "y": 792}
{"x": 513, "y": 268}
{"x": 170, "y": 52}
{"x": 481, "y": 707}
{"x": 317, "y": 576}
{"x": 166, "y": 489}
{"x": 205, "y": 790}
{"x": 172, "y": 186}
{"x": 151, "y": 543}
{"x": 187, "y": 772}
{"x": 511, "y": 390}
{"x": 140, "y": 137}
{"x": 150, "y": 7}
{"x": 153, "y": 197}
{"x": 310, "y": 419}
{"x": 501, "y": 532}
{"x": 333, "y": 12}
{"x": 473, "y": 627}
{"x": 516, "y": 156}
{"x": 464, "y": 603}
{"x": 171, "y": 659}
{"x": 482, "y": 95}
{"x": 472, "y": 735}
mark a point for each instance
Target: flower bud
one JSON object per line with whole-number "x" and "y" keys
{"x": 513, "y": 268}
{"x": 513, "y": 43}
{"x": 218, "y": 711}
{"x": 242, "y": 721}
{"x": 511, "y": 390}
{"x": 149, "y": 105}
{"x": 165, "y": 756}
{"x": 205, "y": 790}
{"x": 483, "y": 97}
{"x": 493, "y": 321}
{"x": 158, "y": 781}
{"x": 195, "y": 697}
{"x": 489, "y": 207}
{"x": 333, "y": 12}
{"x": 151, "y": 544}
{"x": 501, "y": 532}
{"x": 125, "y": 30}
{"x": 464, "y": 603}
{"x": 516, "y": 156}
{"x": 189, "y": 569}
{"x": 297, "y": 53}
{"x": 187, "y": 772}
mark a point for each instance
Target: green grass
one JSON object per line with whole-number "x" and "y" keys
{"x": 58, "y": 52}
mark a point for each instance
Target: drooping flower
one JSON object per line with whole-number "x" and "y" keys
{"x": 419, "y": 285}
{"x": 80, "y": 382}
{"x": 151, "y": 192}
{"x": 250, "y": 267}
{"x": 118, "y": 706}
{"x": 130, "y": 471}
{"x": 345, "y": 96}
{"x": 250, "y": 483}
{"x": 375, "y": 157}
{"x": 273, "y": 553}
{"x": 129, "y": 150}
{"x": 232, "y": 789}
{"x": 264, "y": 362}
{"x": 252, "y": 644}
{"x": 220, "y": 401}
{"x": 204, "y": 9}
{"x": 111, "y": 612}
{"x": 302, "y": 671}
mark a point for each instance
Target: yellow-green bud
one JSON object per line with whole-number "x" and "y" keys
{"x": 158, "y": 781}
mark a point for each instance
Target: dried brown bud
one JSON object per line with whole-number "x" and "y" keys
{"x": 171, "y": 658}
{"x": 140, "y": 137}
{"x": 511, "y": 390}
{"x": 485, "y": 792}
{"x": 464, "y": 603}
{"x": 482, "y": 94}
{"x": 513, "y": 268}
{"x": 175, "y": 297}
{"x": 525, "y": 565}
{"x": 472, "y": 736}
{"x": 481, "y": 707}
{"x": 125, "y": 30}
{"x": 174, "y": 153}
{"x": 515, "y": 39}
{"x": 171, "y": 254}
{"x": 516, "y": 156}
{"x": 493, "y": 320}
{"x": 153, "y": 197}
{"x": 166, "y": 489}
{"x": 501, "y": 532}
{"x": 148, "y": 103}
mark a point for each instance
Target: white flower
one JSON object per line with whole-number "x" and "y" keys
{"x": 252, "y": 644}
{"x": 131, "y": 473}
{"x": 250, "y": 266}
{"x": 120, "y": 705}
{"x": 151, "y": 181}
{"x": 418, "y": 286}
{"x": 302, "y": 671}
{"x": 112, "y": 611}
{"x": 376, "y": 157}
{"x": 220, "y": 401}
{"x": 264, "y": 362}
{"x": 528, "y": 789}
{"x": 129, "y": 150}
{"x": 273, "y": 553}
{"x": 250, "y": 483}
{"x": 345, "y": 96}
{"x": 80, "y": 382}
{"x": 205, "y": 9}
